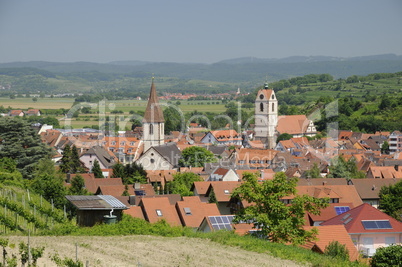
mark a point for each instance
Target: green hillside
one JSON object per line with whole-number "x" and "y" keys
{"x": 22, "y": 211}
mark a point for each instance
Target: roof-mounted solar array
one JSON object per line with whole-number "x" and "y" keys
{"x": 383, "y": 224}
{"x": 221, "y": 222}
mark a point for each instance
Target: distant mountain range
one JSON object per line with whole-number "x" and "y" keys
{"x": 238, "y": 70}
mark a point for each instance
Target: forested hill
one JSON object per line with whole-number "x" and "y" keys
{"x": 242, "y": 70}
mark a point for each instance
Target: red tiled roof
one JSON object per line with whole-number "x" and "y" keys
{"x": 292, "y": 124}
{"x": 327, "y": 234}
{"x": 198, "y": 210}
{"x": 151, "y": 206}
{"x": 353, "y": 220}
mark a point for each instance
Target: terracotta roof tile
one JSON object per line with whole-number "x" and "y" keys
{"x": 192, "y": 211}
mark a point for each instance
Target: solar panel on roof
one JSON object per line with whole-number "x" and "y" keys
{"x": 341, "y": 209}
{"x": 221, "y": 222}
{"x": 370, "y": 225}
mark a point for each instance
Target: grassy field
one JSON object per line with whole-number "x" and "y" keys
{"x": 42, "y": 103}
{"x": 144, "y": 251}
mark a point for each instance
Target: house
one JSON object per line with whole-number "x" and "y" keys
{"x": 225, "y": 222}
{"x": 92, "y": 209}
{"x": 92, "y": 184}
{"x": 327, "y": 213}
{"x": 223, "y": 192}
{"x": 395, "y": 142}
{"x": 192, "y": 211}
{"x": 16, "y": 113}
{"x": 369, "y": 189}
{"x": 105, "y": 158}
{"x": 159, "y": 208}
{"x": 221, "y": 174}
{"x": 369, "y": 228}
{"x": 163, "y": 157}
{"x": 335, "y": 193}
{"x": 159, "y": 178}
{"x": 296, "y": 125}
{"x": 384, "y": 172}
{"x": 327, "y": 234}
{"x": 222, "y": 137}
{"x": 200, "y": 189}
{"x": 251, "y": 158}
{"x": 33, "y": 112}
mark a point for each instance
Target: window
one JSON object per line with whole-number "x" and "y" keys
{"x": 261, "y": 106}
{"x": 273, "y": 97}
{"x": 151, "y": 129}
{"x": 261, "y": 96}
{"x": 273, "y": 107}
{"x": 390, "y": 241}
{"x": 159, "y": 213}
{"x": 187, "y": 211}
{"x": 152, "y": 161}
{"x": 113, "y": 143}
{"x": 132, "y": 143}
{"x": 123, "y": 143}
{"x": 226, "y": 192}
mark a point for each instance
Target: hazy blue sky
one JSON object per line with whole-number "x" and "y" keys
{"x": 196, "y": 31}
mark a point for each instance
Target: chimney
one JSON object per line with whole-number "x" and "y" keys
{"x": 324, "y": 182}
{"x": 131, "y": 200}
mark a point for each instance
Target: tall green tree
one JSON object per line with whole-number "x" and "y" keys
{"x": 279, "y": 222}
{"x": 77, "y": 186}
{"x": 96, "y": 170}
{"x": 182, "y": 183}
{"x": 314, "y": 172}
{"x": 20, "y": 142}
{"x": 66, "y": 160}
{"x": 9, "y": 172}
{"x": 391, "y": 200}
{"x": 340, "y": 168}
{"x": 196, "y": 156}
{"x": 118, "y": 170}
{"x": 49, "y": 183}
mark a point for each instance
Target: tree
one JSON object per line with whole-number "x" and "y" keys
{"x": 49, "y": 183}
{"x": 77, "y": 186}
{"x": 337, "y": 250}
{"x": 340, "y": 168}
{"x": 70, "y": 162}
{"x": 391, "y": 200}
{"x": 20, "y": 142}
{"x": 279, "y": 222}
{"x": 314, "y": 172}
{"x": 182, "y": 183}
{"x": 196, "y": 156}
{"x": 212, "y": 196}
{"x": 8, "y": 171}
{"x": 387, "y": 256}
{"x": 96, "y": 170}
{"x": 284, "y": 136}
{"x": 118, "y": 170}
{"x": 385, "y": 148}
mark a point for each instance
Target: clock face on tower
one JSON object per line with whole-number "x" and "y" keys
{"x": 261, "y": 96}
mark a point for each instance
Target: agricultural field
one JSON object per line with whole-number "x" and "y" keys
{"x": 145, "y": 251}
{"x": 42, "y": 103}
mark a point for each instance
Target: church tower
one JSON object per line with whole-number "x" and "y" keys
{"x": 266, "y": 117}
{"x": 153, "y": 123}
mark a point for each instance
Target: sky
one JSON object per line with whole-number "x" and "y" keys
{"x": 204, "y": 31}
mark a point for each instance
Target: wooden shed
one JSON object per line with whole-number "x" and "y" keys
{"x": 92, "y": 209}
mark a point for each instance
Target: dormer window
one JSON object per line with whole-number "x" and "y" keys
{"x": 187, "y": 211}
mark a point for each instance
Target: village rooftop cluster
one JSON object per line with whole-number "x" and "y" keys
{"x": 352, "y": 217}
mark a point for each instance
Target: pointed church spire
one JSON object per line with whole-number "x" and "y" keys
{"x": 153, "y": 113}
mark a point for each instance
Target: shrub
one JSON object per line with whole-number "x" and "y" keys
{"x": 387, "y": 256}
{"x": 336, "y": 249}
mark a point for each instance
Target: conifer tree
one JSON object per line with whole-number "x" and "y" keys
{"x": 96, "y": 170}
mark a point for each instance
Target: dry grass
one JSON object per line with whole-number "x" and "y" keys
{"x": 147, "y": 251}
{"x": 42, "y": 103}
